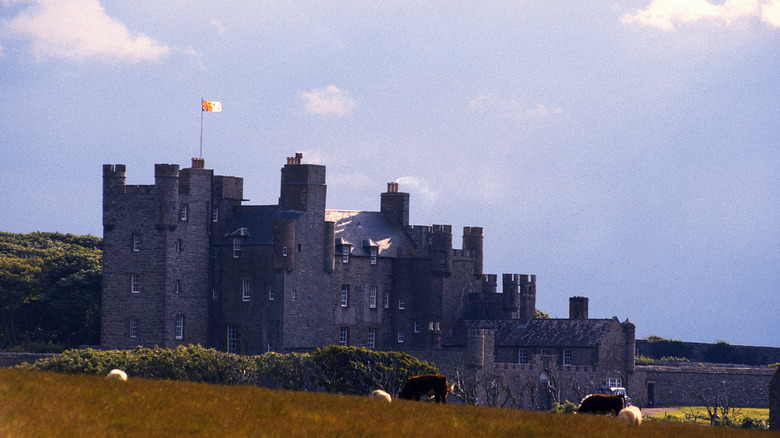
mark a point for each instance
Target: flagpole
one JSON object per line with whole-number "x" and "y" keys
{"x": 201, "y": 127}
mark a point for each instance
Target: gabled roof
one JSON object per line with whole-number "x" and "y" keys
{"x": 255, "y": 224}
{"x": 538, "y": 332}
{"x": 363, "y": 229}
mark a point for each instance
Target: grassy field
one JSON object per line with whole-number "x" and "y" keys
{"x": 698, "y": 414}
{"x": 34, "y": 404}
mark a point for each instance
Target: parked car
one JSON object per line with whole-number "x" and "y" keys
{"x": 614, "y": 390}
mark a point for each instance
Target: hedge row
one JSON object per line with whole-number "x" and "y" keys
{"x": 346, "y": 370}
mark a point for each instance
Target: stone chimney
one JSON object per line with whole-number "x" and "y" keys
{"x": 578, "y": 308}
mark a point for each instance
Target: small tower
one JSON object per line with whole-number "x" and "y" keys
{"x": 395, "y": 204}
{"x": 578, "y": 308}
{"x": 473, "y": 243}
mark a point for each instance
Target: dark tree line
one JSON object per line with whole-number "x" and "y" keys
{"x": 49, "y": 291}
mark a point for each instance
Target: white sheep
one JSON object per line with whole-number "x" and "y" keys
{"x": 630, "y": 415}
{"x": 381, "y": 395}
{"x": 117, "y": 374}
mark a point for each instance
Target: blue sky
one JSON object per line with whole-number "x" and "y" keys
{"x": 624, "y": 151}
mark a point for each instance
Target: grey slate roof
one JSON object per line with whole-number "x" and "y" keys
{"x": 255, "y": 223}
{"x": 537, "y": 332}
{"x": 368, "y": 227}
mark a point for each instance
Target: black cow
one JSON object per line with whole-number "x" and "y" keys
{"x": 426, "y": 385}
{"x": 602, "y": 403}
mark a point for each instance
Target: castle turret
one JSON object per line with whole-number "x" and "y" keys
{"x": 303, "y": 187}
{"x": 473, "y": 243}
{"x": 166, "y": 183}
{"x": 284, "y": 245}
{"x": 395, "y": 204}
{"x": 511, "y": 296}
{"x": 114, "y": 178}
{"x": 527, "y": 286}
{"x": 489, "y": 283}
{"x": 441, "y": 249}
{"x": 578, "y": 308}
{"x": 629, "y": 335}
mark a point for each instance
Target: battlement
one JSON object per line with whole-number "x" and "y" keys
{"x": 441, "y": 229}
{"x": 472, "y": 231}
{"x": 166, "y": 170}
{"x": 511, "y": 278}
{"x": 114, "y": 171}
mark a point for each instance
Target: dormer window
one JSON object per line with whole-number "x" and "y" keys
{"x": 345, "y": 254}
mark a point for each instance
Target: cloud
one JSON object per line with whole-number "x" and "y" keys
{"x": 418, "y": 186}
{"x": 665, "y": 14}
{"x": 328, "y": 101}
{"x": 80, "y": 30}
{"x": 218, "y": 26}
{"x": 512, "y": 108}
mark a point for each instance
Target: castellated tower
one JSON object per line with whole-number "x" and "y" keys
{"x": 154, "y": 283}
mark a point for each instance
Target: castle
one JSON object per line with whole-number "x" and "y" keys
{"x": 185, "y": 262}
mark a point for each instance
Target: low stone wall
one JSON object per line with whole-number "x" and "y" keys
{"x": 686, "y": 385}
{"x": 8, "y": 360}
{"x": 774, "y": 401}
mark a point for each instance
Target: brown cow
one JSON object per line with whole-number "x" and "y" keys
{"x": 419, "y": 386}
{"x": 601, "y": 404}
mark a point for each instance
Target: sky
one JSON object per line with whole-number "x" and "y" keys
{"x": 626, "y": 151}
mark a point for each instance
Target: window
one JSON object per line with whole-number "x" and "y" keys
{"x": 416, "y": 327}
{"x": 566, "y": 357}
{"x": 215, "y": 214}
{"x": 344, "y": 295}
{"x": 373, "y": 255}
{"x": 270, "y": 294}
{"x": 522, "y": 356}
{"x": 400, "y": 337}
{"x": 214, "y": 294}
{"x": 294, "y": 294}
{"x": 183, "y": 213}
{"x": 136, "y": 242}
{"x": 246, "y": 290}
{"x": 343, "y": 336}
{"x": 386, "y": 300}
{"x": 284, "y": 251}
{"x": 177, "y": 289}
{"x": 545, "y": 352}
{"x": 614, "y": 381}
{"x": 300, "y": 248}
{"x": 178, "y": 245}
{"x": 133, "y": 327}
{"x": 135, "y": 283}
{"x": 345, "y": 254}
{"x": 237, "y": 247}
{"x": 401, "y": 303}
{"x": 232, "y": 338}
{"x": 179, "y": 326}
{"x": 372, "y": 297}
{"x": 371, "y": 338}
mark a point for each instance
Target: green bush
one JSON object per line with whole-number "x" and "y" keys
{"x": 347, "y": 370}
{"x": 566, "y": 408}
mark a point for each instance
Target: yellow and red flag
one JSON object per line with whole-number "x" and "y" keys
{"x": 214, "y": 107}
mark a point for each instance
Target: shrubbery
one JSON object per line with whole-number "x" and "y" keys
{"x": 346, "y": 370}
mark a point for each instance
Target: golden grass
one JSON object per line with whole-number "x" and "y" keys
{"x": 698, "y": 414}
{"x": 34, "y": 404}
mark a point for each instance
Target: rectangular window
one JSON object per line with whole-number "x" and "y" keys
{"x": 214, "y": 294}
{"x": 270, "y": 294}
{"x": 522, "y": 356}
{"x": 300, "y": 248}
{"x": 284, "y": 251}
{"x": 135, "y": 283}
{"x": 344, "y": 295}
{"x": 215, "y": 214}
{"x": 183, "y": 213}
{"x": 236, "y": 247}
{"x": 401, "y": 303}
{"x": 232, "y": 338}
{"x": 178, "y": 245}
{"x": 373, "y": 255}
{"x": 246, "y": 290}
{"x": 371, "y": 338}
{"x": 136, "y": 242}
{"x": 345, "y": 254}
{"x": 386, "y": 300}
{"x": 372, "y": 297}
{"x": 416, "y": 327}
{"x": 566, "y": 357}
{"x": 178, "y": 286}
{"x": 614, "y": 381}
{"x": 545, "y": 352}
{"x": 179, "y": 326}
{"x": 400, "y": 337}
{"x": 343, "y": 336}
{"x": 133, "y": 327}
{"x": 294, "y": 294}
